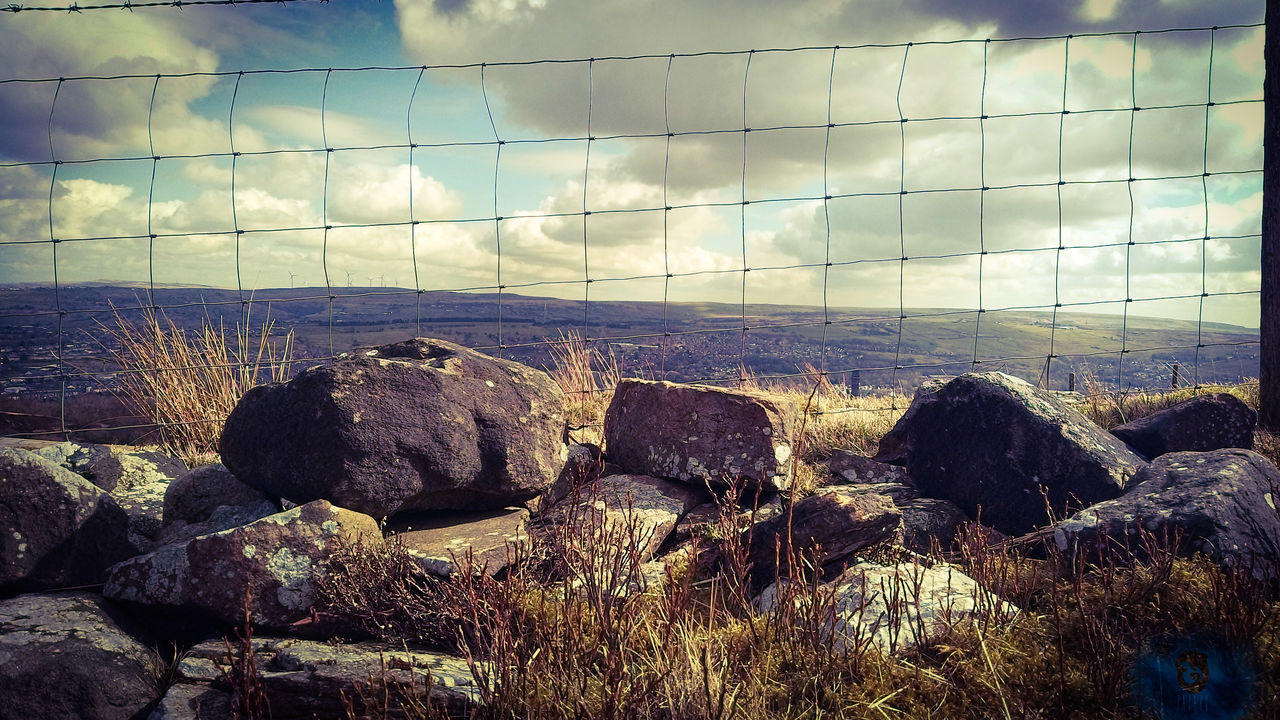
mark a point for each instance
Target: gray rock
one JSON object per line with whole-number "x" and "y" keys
{"x": 114, "y": 467}
{"x": 990, "y": 442}
{"x": 925, "y": 520}
{"x": 837, "y": 520}
{"x": 306, "y": 679}
{"x": 186, "y": 701}
{"x": 1203, "y": 423}
{"x": 70, "y": 656}
{"x": 628, "y": 507}
{"x": 276, "y": 560}
{"x": 440, "y": 541}
{"x": 848, "y": 467}
{"x": 928, "y": 600}
{"x": 209, "y": 499}
{"x": 1223, "y": 501}
{"x": 583, "y": 467}
{"x": 417, "y": 425}
{"x": 56, "y": 528}
{"x": 698, "y": 434}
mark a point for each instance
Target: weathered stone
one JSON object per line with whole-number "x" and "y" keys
{"x": 440, "y": 541}
{"x": 928, "y": 601}
{"x": 850, "y": 467}
{"x": 699, "y": 435}
{"x": 705, "y": 520}
{"x": 1223, "y": 502}
{"x": 585, "y": 465}
{"x": 275, "y": 560}
{"x": 209, "y": 499}
{"x": 990, "y": 443}
{"x": 70, "y": 656}
{"x": 418, "y": 425}
{"x": 893, "y": 445}
{"x": 114, "y": 467}
{"x": 56, "y": 528}
{"x": 306, "y": 679}
{"x": 622, "y": 508}
{"x": 925, "y": 520}
{"x": 1205, "y": 422}
{"x": 187, "y": 701}
{"x": 836, "y": 520}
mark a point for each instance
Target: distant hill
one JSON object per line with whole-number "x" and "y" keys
{"x": 704, "y": 340}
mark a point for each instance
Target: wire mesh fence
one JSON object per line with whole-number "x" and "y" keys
{"x": 908, "y": 210}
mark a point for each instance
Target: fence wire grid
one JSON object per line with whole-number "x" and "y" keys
{"x": 67, "y": 372}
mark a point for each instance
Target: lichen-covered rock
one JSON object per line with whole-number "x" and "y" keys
{"x": 848, "y": 467}
{"x": 627, "y": 508}
{"x": 56, "y": 528}
{"x": 440, "y": 541}
{"x": 838, "y": 520}
{"x": 114, "y": 467}
{"x": 1203, "y": 423}
{"x": 70, "y": 656}
{"x": 209, "y": 499}
{"x": 191, "y": 701}
{"x": 894, "y": 608}
{"x": 418, "y": 425}
{"x": 584, "y": 465}
{"x": 991, "y": 443}
{"x": 306, "y": 679}
{"x": 698, "y": 435}
{"x": 275, "y": 560}
{"x": 1223, "y": 502}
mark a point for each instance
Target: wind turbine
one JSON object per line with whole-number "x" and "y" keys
{"x": 348, "y": 278}
{"x": 382, "y": 280}
{"x": 292, "y": 275}
{"x": 370, "y": 281}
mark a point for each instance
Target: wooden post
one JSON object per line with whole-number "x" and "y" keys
{"x": 1269, "y": 317}
{"x": 1177, "y": 370}
{"x": 1071, "y": 382}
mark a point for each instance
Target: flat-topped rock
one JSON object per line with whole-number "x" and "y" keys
{"x": 699, "y": 435}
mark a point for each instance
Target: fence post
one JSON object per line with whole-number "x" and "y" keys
{"x": 1269, "y": 317}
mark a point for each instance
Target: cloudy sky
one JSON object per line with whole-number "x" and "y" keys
{"x": 668, "y": 133}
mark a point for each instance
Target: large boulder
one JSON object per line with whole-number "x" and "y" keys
{"x": 210, "y": 499}
{"x": 306, "y": 679}
{"x": 56, "y": 528}
{"x": 417, "y": 425}
{"x": 70, "y": 656}
{"x": 838, "y": 521}
{"x": 896, "y": 607}
{"x": 998, "y": 447}
{"x": 1203, "y": 423}
{"x": 1223, "y": 502}
{"x": 274, "y": 561}
{"x": 698, "y": 434}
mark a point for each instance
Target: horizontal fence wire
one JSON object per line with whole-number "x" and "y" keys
{"x": 74, "y": 368}
{"x": 129, "y": 5}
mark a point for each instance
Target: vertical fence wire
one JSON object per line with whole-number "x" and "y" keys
{"x": 413, "y": 220}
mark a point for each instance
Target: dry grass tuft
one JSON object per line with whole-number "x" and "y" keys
{"x": 187, "y": 383}
{"x": 588, "y": 378}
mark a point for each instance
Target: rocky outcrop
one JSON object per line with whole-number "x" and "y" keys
{"x": 698, "y": 434}
{"x": 209, "y": 499}
{"x": 70, "y": 656}
{"x": 56, "y": 528}
{"x": 894, "y": 608}
{"x": 275, "y": 561}
{"x": 998, "y": 447}
{"x": 1203, "y": 423}
{"x": 1222, "y": 502}
{"x": 417, "y": 425}
{"x": 584, "y": 465}
{"x": 838, "y": 521}
{"x": 442, "y": 541}
{"x": 305, "y": 679}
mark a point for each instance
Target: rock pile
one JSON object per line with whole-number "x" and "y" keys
{"x": 454, "y": 454}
